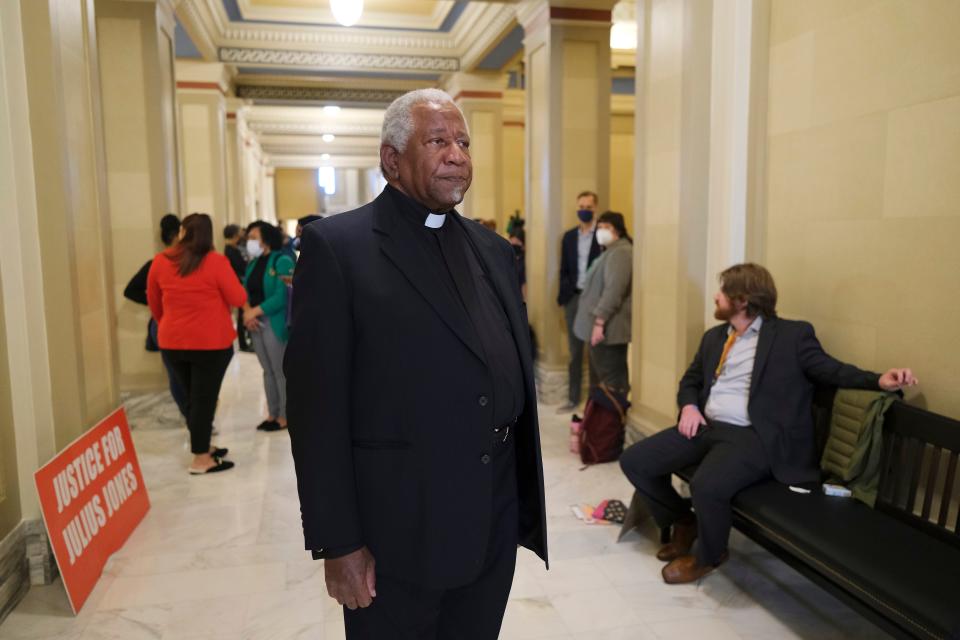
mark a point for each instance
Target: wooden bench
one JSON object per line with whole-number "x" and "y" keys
{"x": 898, "y": 564}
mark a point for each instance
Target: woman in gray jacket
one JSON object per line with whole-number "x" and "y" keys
{"x": 603, "y": 316}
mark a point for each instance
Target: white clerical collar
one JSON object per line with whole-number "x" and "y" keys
{"x": 435, "y": 220}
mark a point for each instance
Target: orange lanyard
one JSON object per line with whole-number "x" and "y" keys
{"x": 726, "y": 351}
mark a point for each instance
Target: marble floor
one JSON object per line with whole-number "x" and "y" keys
{"x": 220, "y": 557}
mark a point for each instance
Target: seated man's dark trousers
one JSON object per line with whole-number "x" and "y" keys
{"x": 731, "y": 458}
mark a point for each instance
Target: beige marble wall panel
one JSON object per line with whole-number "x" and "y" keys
{"x": 892, "y": 54}
{"x": 862, "y": 215}
{"x": 663, "y": 185}
{"x": 663, "y": 107}
{"x": 922, "y": 175}
{"x": 198, "y": 160}
{"x": 579, "y": 122}
{"x": 792, "y": 18}
{"x": 831, "y": 172}
{"x": 63, "y": 88}
{"x": 298, "y": 193}
{"x": 514, "y": 182}
{"x": 10, "y": 512}
{"x": 666, "y": 40}
{"x": 483, "y": 152}
{"x": 541, "y": 276}
{"x": 791, "y": 85}
{"x": 203, "y": 155}
{"x": 658, "y": 327}
{"x": 621, "y": 177}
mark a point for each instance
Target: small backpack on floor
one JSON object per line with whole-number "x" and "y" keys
{"x": 602, "y": 430}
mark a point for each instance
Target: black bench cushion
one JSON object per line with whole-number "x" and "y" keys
{"x": 910, "y": 576}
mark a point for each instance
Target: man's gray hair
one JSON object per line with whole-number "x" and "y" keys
{"x": 398, "y": 119}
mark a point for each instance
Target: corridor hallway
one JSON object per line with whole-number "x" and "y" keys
{"x": 221, "y": 557}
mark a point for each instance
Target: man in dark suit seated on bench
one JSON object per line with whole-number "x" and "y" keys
{"x": 745, "y": 415}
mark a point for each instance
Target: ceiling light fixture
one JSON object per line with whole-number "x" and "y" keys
{"x": 331, "y": 109}
{"x": 347, "y": 12}
{"x": 623, "y": 35}
{"x": 328, "y": 137}
{"x": 324, "y": 156}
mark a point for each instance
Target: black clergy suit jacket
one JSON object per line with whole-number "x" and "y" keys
{"x": 789, "y": 363}
{"x": 390, "y": 424}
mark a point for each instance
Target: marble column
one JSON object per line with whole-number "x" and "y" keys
{"x": 567, "y": 55}
{"x": 251, "y": 166}
{"x": 699, "y": 146}
{"x": 268, "y": 193}
{"x": 202, "y": 89}
{"x": 57, "y": 351}
{"x": 512, "y": 151}
{"x": 234, "y": 144}
{"x": 135, "y": 42}
{"x": 479, "y": 96}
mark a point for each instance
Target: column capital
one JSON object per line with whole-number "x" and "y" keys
{"x": 534, "y": 14}
{"x": 203, "y": 76}
{"x": 476, "y": 86}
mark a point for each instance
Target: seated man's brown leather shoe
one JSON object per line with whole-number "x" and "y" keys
{"x": 684, "y": 533}
{"x": 686, "y": 569}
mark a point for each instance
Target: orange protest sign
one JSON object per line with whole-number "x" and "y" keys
{"x": 92, "y": 497}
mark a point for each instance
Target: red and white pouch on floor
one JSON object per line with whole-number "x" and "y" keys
{"x": 576, "y": 424}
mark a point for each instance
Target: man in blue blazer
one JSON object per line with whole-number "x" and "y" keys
{"x": 578, "y": 249}
{"x": 411, "y": 399}
{"x": 745, "y": 415}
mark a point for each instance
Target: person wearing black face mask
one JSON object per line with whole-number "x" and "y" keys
{"x": 578, "y": 251}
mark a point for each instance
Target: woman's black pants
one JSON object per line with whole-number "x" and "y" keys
{"x": 201, "y": 374}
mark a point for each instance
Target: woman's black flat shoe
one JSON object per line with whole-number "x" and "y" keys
{"x": 274, "y": 426}
{"x": 268, "y": 425}
{"x": 222, "y": 465}
{"x": 219, "y": 452}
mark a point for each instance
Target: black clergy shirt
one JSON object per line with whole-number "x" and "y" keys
{"x": 464, "y": 274}
{"x": 466, "y": 279}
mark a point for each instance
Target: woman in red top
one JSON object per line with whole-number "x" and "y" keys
{"x": 190, "y": 289}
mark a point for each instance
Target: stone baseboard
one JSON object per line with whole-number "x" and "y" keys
{"x": 25, "y": 559}
{"x": 43, "y": 566}
{"x": 552, "y": 383}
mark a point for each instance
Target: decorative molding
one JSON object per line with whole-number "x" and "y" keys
{"x": 482, "y": 95}
{"x": 580, "y": 15}
{"x": 201, "y": 86}
{"x": 338, "y": 60}
{"x": 313, "y": 128}
{"x": 318, "y": 94}
{"x": 338, "y": 38}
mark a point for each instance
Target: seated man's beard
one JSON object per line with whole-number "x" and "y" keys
{"x": 721, "y": 313}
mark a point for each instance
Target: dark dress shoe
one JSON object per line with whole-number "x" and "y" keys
{"x": 221, "y": 465}
{"x": 684, "y": 533}
{"x": 686, "y": 569}
{"x": 219, "y": 452}
{"x": 274, "y": 426}
{"x": 268, "y": 425}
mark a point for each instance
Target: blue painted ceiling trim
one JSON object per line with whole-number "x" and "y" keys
{"x": 235, "y": 15}
{"x": 182, "y": 44}
{"x": 623, "y": 86}
{"x": 504, "y": 51}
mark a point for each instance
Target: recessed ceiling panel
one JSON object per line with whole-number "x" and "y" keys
{"x": 383, "y": 14}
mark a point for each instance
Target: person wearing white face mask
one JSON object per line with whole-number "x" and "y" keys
{"x": 265, "y": 315}
{"x": 603, "y": 317}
